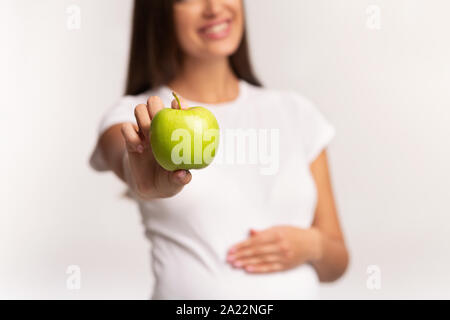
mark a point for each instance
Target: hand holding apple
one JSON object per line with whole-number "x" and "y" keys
{"x": 184, "y": 138}
{"x": 149, "y": 179}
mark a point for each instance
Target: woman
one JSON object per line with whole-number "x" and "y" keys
{"x": 231, "y": 230}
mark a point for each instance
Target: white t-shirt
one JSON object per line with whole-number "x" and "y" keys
{"x": 192, "y": 231}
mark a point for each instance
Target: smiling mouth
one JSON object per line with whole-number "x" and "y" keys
{"x": 217, "y": 28}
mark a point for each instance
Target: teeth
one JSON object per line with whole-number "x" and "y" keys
{"x": 217, "y": 28}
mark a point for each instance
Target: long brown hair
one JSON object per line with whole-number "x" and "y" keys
{"x": 155, "y": 54}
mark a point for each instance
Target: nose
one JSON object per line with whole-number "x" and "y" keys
{"x": 212, "y": 7}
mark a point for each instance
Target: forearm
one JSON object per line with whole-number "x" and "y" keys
{"x": 113, "y": 149}
{"x": 331, "y": 257}
{"x": 118, "y": 165}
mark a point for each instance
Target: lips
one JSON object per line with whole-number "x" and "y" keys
{"x": 216, "y": 27}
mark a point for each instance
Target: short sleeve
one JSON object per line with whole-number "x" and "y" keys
{"x": 122, "y": 111}
{"x": 315, "y": 130}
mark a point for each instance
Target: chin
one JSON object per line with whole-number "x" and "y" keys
{"x": 221, "y": 50}
{"x": 219, "y": 54}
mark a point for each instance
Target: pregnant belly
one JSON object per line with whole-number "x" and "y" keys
{"x": 190, "y": 279}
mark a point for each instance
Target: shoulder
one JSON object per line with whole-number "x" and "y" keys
{"x": 134, "y": 100}
{"x": 297, "y": 115}
{"x": 285, "y": 101}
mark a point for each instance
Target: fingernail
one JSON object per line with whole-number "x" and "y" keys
{"x": 140, "y": 148}
{"x": 232, "y": 250}
{"x": 182, "y": 174}
{"x": 237, "y": 264}
{"x": 250, "y": 268}
{"x": 231, "y": 258}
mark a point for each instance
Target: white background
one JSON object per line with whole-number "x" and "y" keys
{"x": 386, "y": 91}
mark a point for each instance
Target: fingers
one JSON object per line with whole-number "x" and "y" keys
{"x": 154, "y": 104}
{"x": 265, "y": 267}
{"x": 257, "y": 239}
{"x": 263, "y": 259}
{"x": 255, "y": 260}
{"x": 132, "y": 140}
{"x": 169, "y": 183}
{"x": 145, "y": 112}
{"x": 143, "y": 120}
{"x": 244, "y": 253}
{"x": 180, "y": 177}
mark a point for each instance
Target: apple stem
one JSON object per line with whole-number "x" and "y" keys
{"x": 178, "y": 100}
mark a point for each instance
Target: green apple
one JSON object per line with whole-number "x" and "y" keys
{"x": 184, "y": 138}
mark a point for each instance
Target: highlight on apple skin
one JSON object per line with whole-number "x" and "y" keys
{"x": 184, "y": 138}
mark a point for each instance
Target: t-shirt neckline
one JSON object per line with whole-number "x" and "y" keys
{"x": 216, "y": 106}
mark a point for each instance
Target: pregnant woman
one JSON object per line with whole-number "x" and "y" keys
{"x": 262, "y": 228}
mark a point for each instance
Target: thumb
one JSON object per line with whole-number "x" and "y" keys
{"x": 180, "y": 177}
